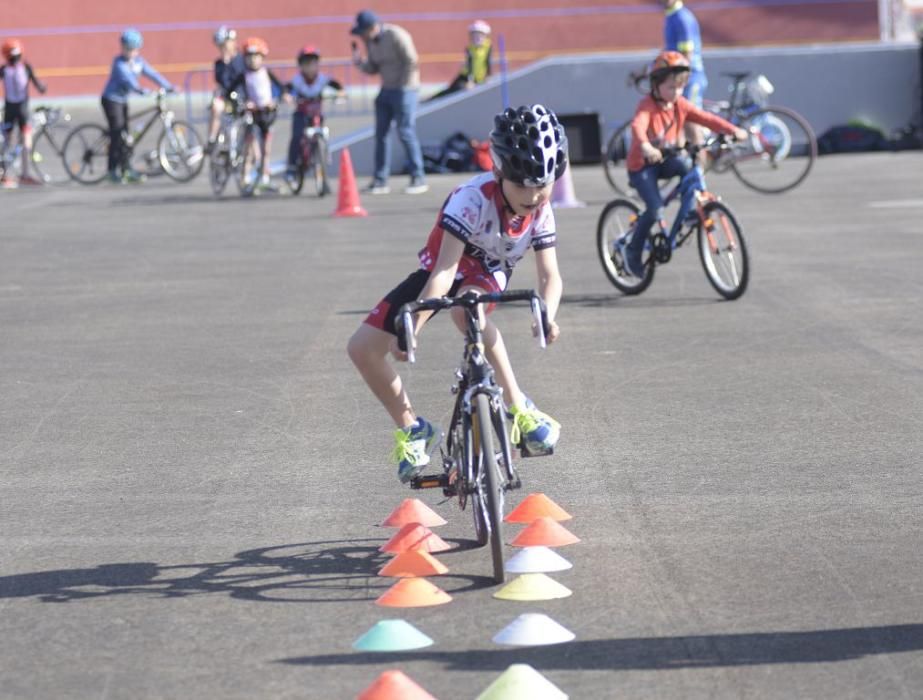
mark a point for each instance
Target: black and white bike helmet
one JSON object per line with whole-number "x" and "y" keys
{"x": 528, "y": 146}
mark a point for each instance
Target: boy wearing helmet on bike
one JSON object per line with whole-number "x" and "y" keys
{"x": 228, "y": 66}
{"x": 484, "y": 229}
{"x": 658, "y": 124}
{"x": 257, "y": 83}
{"x": 17, "y": 74}
{"x": 123, "y": 80}
{"x": 307, "y": 88}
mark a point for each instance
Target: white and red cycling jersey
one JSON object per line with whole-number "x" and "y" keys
{"x": 495, "y": 240}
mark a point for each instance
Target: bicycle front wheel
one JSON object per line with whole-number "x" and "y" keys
{"x": 45, "y": 152}
{"x": 86, "y": 154}
{"x": 219, "y": 166}
{"x": 723, "y": 251}
{"x": 613, "y": 232}
{"x": 488, "y": 493}
{"x": 180, "y": 152}
{"x": 615, "y": 157}
{"x": 780, "y": 152}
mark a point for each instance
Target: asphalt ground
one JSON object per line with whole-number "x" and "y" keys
{"x": 193, "y": 473}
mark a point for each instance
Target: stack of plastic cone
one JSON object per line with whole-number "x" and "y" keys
{"x": 545, "y": 532}
{"x": 531, "y": 587}
{"x": 413, "y": 510}
{"x": 415, "y": 536}
{"x": 348, "y": 199}
{"x": 562, "y": 194}
{"x": 535, "y": 506}
{"x": 533, "y": 629}
{"x": 413, "y": 593}
{"x": 394, "y": 685}
{"x": 536, "y": 560}
{"x": 392, "y": 635}
{"x": 412, "y": 563}
{"x": 522, "y": 682}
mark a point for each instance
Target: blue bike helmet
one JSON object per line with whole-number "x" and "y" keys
{"x": 132, "y": 39}
{"x": 528, "y": 146}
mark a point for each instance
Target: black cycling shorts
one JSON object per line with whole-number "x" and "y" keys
{"x": 15, "y": 113}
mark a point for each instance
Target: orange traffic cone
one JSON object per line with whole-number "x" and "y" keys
{"x": 348, "y": 199}
{"x": 413, "y": 563}
{"x": 415, "y": 536}
{"x": 545, "y": 532}
{"x": 534, "y": 506}
{"x": 413, "y": 510}
{"x": 394, "y": 685}
{"x": 413, "y": 593}
{"x": 562, "y": 194}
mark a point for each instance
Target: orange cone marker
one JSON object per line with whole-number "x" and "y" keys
{"x": 413, "y": 593}
{"x": 413, "y": 510}
{"x": 545, "y": 532}
{"x": 394, "y": 685}
{"x": 348, "y": 196}
{"x": 535, "y": 506}
{"x": 413, "y": 562}
{"x": 415, "y": 536}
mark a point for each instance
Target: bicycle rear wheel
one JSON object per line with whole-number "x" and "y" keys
{"x": 779, "y": 153}
{"x": 723, "y": 251}
{"x": 614, "y": 159}
{"x": 320, "y": 167}
{"x": 45, "y": 154}
{"x": 86, "y": 154}
{"x": 488, "y": 496}
{"x": 616, "y": 227}
{"x": 180, "y": 151}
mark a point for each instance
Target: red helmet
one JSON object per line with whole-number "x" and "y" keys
{"x": 668, "y": 62}
{"x": 309, "y": 51}
{"x": 254, "y": 44}
{"x": 12, "y": 47}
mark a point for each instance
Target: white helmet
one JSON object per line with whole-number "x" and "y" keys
{"x": 479, "y": 26}
{"x": 223, "y": 34}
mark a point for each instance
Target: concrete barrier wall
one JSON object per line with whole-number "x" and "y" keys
{"x": 828, "y": 85}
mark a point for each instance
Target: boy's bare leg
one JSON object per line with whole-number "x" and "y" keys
{"x": 368, "y": 348}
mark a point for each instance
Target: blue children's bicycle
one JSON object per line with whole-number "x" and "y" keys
{"x": 718, "y": 235}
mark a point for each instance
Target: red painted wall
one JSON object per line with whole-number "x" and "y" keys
{"x": 71, "y": 42}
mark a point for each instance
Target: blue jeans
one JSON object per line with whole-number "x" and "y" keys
{"x": 645, "y": 181}
{"x": 399, "y": 106}
{"x": 695, "y": 88}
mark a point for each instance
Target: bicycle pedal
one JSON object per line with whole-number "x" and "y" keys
{"x": 430, "y": 481}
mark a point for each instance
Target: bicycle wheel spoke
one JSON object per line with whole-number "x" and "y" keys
{"x": 779, "y": 153}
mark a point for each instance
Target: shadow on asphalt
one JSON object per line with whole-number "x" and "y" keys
{"x": 651, "y": 653}
{"x": 311, "y": 572}
{"x": 619, "y": 299}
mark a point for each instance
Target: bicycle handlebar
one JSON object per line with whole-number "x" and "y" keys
{"x": 694, "y": 148}
{"x": 470, "y": 301}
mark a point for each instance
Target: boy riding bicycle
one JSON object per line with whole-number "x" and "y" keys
{"x": 307, "y": 88}
{"x": 484, "y": 229}
{"x": 658, "y": 124}
{"x": 17, "y": 74}
{"x": 257, "y": 83}
{"x": 228, "y": 67}
{"x": 123, "y": 80}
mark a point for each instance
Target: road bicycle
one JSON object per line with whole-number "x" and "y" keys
{"x": 778, "y": 156}
{"x": 48, "y": 133}
{"x": 313, "y": 151}
{"x": 249, "y": 172}
{"x": 178, "y": 153}
{"x": 226, "y": 157}
{"x": 719, "y": 238}
{"x": 477, "y": 457}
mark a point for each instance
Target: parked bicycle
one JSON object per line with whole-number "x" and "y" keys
{"x": 48, "y": 134}
{"x": 477, "y": 457}
{"x": 777, "y": 157}
{"x": 226, "y": 156}
{"x": 720, "y": 241}
{"x": 178, "y": 153}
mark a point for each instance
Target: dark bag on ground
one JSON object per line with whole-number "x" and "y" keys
{"x": 454, "y": 155}
{"x": 852, "y": 139}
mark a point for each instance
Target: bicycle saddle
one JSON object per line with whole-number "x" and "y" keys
{"x": 736, "y": 77}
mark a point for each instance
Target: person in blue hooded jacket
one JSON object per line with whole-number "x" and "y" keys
{"x": 123, "y": 81}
